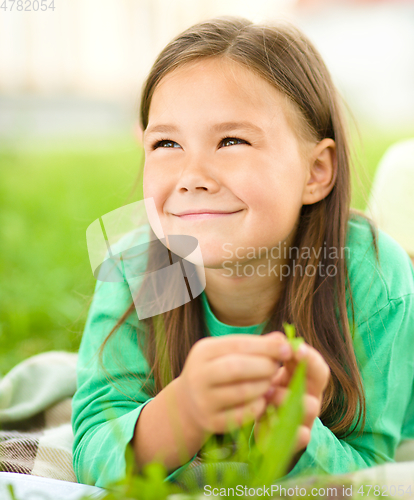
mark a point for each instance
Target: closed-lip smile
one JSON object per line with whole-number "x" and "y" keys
{"x": 204, "y": 214}
{"x": 204, "y": 211}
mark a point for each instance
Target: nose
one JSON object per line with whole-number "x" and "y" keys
{"x": 195, "y": 177}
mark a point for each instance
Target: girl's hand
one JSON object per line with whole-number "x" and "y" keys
{"x": 225, "y": 379}
{"x": 317, "y": 378}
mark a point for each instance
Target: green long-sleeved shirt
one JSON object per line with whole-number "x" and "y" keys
{"x": 104, "y": 417}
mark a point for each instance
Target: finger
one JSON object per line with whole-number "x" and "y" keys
{"x": 239, "y": 367}
{"x": 241, "y": 415}
{"x": 303, "y": 433}
{"x": 279, "y": 396}
{"x": 273, "y": 345}
{"x": 312, "y": 410}
{"x": 311, "y": 405}
{"x": 317, "y": 370}
{"x": 234, "y": 395}
{"x": 281, "y": 377}
{"x": 303, "y": 438}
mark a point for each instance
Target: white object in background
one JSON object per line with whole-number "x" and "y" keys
{"x": 391, "y": 202}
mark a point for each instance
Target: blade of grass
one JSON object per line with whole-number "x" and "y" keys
{"x": 278, "y": 445}
{"x": 294, "y": 341}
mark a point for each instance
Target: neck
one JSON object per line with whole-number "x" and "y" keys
{"x": 243, "y": 301}
{"x": 247, "y": 292}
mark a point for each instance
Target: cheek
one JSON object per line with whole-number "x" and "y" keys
{"x": 274, "y": 186}
{"x": 147, "y": 186}
{"x": 154, "y": 185}
{"x": 278, "y": 199}
{"x": 151, "y": 189}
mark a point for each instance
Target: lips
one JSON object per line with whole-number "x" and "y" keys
{"x": 205, "y": 211}
{"x": 199, "y": 216}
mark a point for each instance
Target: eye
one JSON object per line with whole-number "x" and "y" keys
{"x": 164, "y": 143}
{"x": 232, "y": 141}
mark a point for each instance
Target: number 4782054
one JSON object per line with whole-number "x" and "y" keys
{"x": 27, "y": 5}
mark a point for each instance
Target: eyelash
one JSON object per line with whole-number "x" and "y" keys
{"x": 157, "y": 144}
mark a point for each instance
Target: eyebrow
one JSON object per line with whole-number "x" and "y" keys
{"x": 219, "y": 127}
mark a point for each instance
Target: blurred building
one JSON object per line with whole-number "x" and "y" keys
{"x": 100, "y": 47}
{"x": 88, "y": 58}
{"x": 368, "y": 45}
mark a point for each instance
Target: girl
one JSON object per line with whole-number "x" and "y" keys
{"x": 243, "y": 130}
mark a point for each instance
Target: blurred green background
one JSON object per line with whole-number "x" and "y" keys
{"x": 48, "y": 198}
{"x": 70, "y": 82}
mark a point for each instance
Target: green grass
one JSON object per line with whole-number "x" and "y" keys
{"x": 47, "y": 200}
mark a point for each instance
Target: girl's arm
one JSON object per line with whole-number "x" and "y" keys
{"x": 108, "y": 402}
{"x": 156, "y": 436}
{"x": 223, "y": 381}
{"x": 383, "y": 345}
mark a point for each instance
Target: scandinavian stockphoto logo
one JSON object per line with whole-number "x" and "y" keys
{"x": 119, "y": 245}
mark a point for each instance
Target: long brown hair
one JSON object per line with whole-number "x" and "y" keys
{"x": 316, "y": 305}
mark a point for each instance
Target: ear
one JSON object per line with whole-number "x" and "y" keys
{"x": 322, "y": 172}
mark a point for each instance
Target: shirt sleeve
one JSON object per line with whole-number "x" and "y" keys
{"x": 108, "y": 400}
{"x": 383, "y": 346}
{"x": 103, "y": 418}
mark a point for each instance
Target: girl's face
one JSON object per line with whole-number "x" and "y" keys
{"x": 218, "y": 139}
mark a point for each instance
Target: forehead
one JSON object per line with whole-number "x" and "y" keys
{"x": 216, "y": 80}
